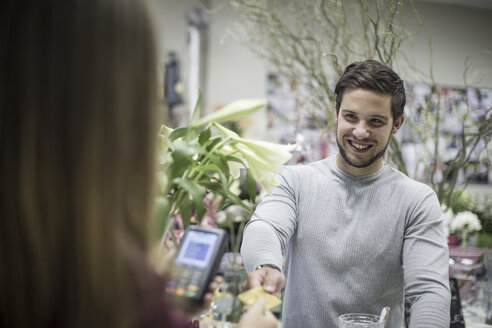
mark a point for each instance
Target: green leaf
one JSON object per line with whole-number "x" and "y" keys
{"x": 204, "y": 136}
{"x": 225, "y": 204}
{"x": 160, "y": 215}
{"x": 212, "y": 142}
{"x": 210, "y": 168}
{"x": 185, "y": 208}
{"x": 231, "y": 199}
{"x": 196, "y": 112}
{"x": 251, "y": 185}
{"x": 178, "y": 133}
{"x": 222, "y": 180}
{"x": 221, "y": 163}
{"x": 182, "y": 157}
{"x": 235, "y": 199}
{"x": 197, "y": 194}
{"x": 212, "y": 185}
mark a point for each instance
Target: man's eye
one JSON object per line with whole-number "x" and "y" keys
{"x": 350, "y": 117}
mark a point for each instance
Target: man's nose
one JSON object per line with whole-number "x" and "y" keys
{"x": 361, "y": 130}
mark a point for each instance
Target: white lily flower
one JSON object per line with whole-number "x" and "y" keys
{"x": 273, "y": 153}
{"x": 264, "y": 159}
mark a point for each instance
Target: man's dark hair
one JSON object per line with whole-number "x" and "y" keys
{"x": 374, "y": 76}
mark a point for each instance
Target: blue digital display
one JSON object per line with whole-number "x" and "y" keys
{"x": 197, "y": 248}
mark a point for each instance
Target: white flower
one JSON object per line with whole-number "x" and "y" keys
{"x": 236, "y": 213}
{"x": 235, "y": 187}
{"x": 220, "y": 217}
{"x": 465, "y": 222}
{"x": 264, "y": 159}
{"x": 238, "y": 218}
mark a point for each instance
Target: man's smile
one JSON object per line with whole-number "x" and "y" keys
{"x": 358, "y": 146}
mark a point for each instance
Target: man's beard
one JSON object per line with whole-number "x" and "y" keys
{"x": 366, "y": 163}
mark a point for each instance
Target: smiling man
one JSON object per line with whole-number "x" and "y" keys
{"x": 350, "y": 233}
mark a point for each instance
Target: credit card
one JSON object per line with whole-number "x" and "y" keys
{"x": 250, "y": 296}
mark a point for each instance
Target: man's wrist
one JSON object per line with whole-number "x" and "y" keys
{"x": 268, "y": 266}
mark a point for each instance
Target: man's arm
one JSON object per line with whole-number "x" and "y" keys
{"x": 267, "y": 234}
{"x": 261, "y": 245}
{"x": 426, "y": 264}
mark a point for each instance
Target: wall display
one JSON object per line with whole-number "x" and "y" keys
{"x": 452, "y": 111}
{"x": 290, "y": 120}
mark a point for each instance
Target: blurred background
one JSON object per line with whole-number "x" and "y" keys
{"x": 208, "y": 45}
{"x": 290, "y": 52}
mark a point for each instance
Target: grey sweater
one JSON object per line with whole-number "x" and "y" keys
{"x": 353, "y": 244}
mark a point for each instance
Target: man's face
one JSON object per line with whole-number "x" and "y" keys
{"x": 364, "y": 128}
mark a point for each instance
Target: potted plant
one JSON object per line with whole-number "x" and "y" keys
{"x": 200, "y": 166}
{"x": 206, "y": 157}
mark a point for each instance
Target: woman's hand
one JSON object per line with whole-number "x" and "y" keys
{"x": 207, "y": 298}
{"x": 214, "y": 284}
{"x": 162, "y": 260}
{"x": 163, "y": 264}
{"x": 258, "y": 317}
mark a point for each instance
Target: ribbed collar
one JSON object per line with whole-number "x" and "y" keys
{"x": 332, "y": 164}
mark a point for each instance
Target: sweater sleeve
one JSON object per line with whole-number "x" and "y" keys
{"x": 425, "y": 264}
{"x": 272, "y": 225}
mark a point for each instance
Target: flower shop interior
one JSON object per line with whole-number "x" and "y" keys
{"x": 220, "y": 51}
{"x": 314, "y": 163}
{"x": 266, "y": 193}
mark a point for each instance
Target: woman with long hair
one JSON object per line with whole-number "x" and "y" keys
{"x": 78, "y": 126}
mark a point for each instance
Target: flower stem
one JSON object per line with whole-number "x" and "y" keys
{"x": 463, "y": 241}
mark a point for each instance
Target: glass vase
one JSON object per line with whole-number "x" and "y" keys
{"x": 467, "y": 266}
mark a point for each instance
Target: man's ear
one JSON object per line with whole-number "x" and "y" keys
{"x": 335, "y": 116}
{"x": 397, "y": 124}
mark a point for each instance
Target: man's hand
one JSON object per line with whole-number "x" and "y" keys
{"x": 272, "y": 280}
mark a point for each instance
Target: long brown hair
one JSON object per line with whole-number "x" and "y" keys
{"x": 77, "y": 130}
